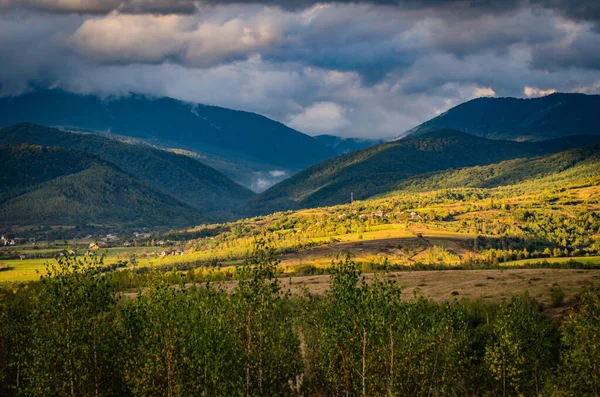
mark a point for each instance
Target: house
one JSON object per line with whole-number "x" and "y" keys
{"x": 94, "y": 246}
{"x": 111, "y": 237}
{"x": 414, "y": 215}
{"x": 126, "y": 244}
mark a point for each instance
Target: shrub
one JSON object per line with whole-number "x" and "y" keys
{"x": 557, "y": 296}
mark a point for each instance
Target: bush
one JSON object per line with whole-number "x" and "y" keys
{"x": 557, "y": 296}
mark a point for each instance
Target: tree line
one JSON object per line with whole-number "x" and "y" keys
{"x": 75, "y": 333}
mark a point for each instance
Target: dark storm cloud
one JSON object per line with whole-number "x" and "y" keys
{"x": 583, "y": 10}
{"x": 579, "y": 52}
{"x": 577, "y": 10}
{"x": 104, "y": 6}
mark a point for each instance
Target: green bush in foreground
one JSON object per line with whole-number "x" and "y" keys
{"x": 73, "y": 333}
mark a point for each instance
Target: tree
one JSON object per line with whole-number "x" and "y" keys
{"x": 519, "y": 356}
{"x": 71, "y": 351}
{"x": 580, "y": 361}
{"x": 265, "y": 334}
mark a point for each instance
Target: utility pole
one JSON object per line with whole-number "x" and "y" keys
{"x": 351, "y": 197}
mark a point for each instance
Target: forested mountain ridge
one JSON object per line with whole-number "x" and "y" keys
{"x": 563, "y": 168}
{"x": 531, "y": 119}
{"x": 235, "y": 142}
{"x": 52, "y": 186}
{"x": 379, "y": 169}
{"x": 184, "y": 178}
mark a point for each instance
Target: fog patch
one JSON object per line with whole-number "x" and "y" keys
{"x": 262, "y": 180}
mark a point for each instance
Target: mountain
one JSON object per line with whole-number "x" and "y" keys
{"x": 379, "y": 169}
{"x": 346, "y": 145}
{"x": 49, "y": 186}
{"x": 182, "y": 177}
{"x": 563, "y": 168}
{"x": 237, "y": 143}
{"x": 532, "y": 119}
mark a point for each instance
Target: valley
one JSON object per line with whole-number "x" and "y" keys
{"x": 332, "y": 198}
{"x": 441, "y": 246}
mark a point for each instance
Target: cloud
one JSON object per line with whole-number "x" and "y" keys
{"x": 537, "y": 92}
{"x": 320, "y": 117}
{"x": 352, "y": 69}
{"x": 578, "y": 48}
{"x": 106, "y": 6}
{"x": 261, "y": 181}
{"x": 579, "y": 10}
{"x": 483, "y": 91}
{"x": 191, "y": 41}
{"x": 278, "y": 173}
{"x": 127, "y": 38}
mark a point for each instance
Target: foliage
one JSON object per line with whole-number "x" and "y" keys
{"x": 184, "y": 178}
{"x": 557, "y": 295}
{"x": 73, "y": 334}
{"x": 580, "y": 358}
{"x": 54, "y": 186}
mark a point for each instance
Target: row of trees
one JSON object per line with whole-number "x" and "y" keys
{"x": 73, "y": 333}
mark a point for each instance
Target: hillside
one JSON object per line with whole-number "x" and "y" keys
{"x": 532, "y": 119}
{"x": 562, "y": 168}
{"x": 379, "y": 169}
{"x": 181, "y": 176}
{"x": 235, "y": 142}
{"x": 346, "y": 145}
{"x": 44, "y": 186}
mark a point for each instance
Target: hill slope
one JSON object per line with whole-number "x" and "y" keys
{"x": 235, "y": 142}
{"x": 533, "y": 119}
{"x": 184, "y": 178}
{"x": 575, "y": 165}
{"x": 44, "y": 186}
{"x": 379, "y": 169}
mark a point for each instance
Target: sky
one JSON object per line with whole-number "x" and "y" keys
{"x": 372, "y": 69}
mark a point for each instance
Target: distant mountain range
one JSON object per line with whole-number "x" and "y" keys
{"x": 532, "y": 119}
{"x": 382, "y": 168}
{"x": 53, "y": 186}
{"x": 122, "y": 137}
{"x": 346, "y": 145}
{"x": 182, "y": 177}
{"x": 244, "y": 146}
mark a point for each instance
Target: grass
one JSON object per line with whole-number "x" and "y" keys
{"x": 27, "y": 269}
{"x": 488, "y": 285}
{"x": 591, "y": 260}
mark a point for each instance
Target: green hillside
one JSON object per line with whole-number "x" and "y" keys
{"x": 182, "y": 177}
{"x": 532, "y": 119}
{"x": 562, "y": 168}
{"x": 236, "y": 142}
{"x": 379, "y": 169}
{"x": 44, "y": 186}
